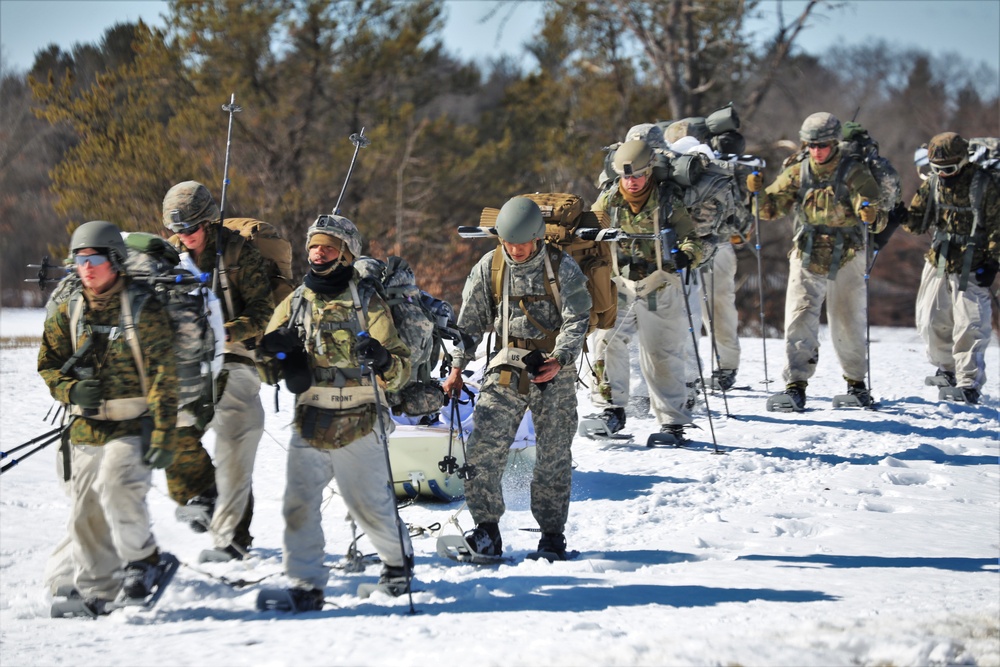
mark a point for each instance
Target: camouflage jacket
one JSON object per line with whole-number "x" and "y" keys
{"x": 637, "y": 258}
{"x": 825, "y": 207}
{"x": 112, "y": 363}
{"x": 248, "y": 285}
{"x": 330, "y": 346}
{"x": 952, "y": 217}
{"x": 480, "y": 312}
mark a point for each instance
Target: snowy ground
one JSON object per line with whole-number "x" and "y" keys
{"x": 833, "y": 537}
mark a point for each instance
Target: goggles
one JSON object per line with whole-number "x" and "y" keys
{"x": 188, "y": 230}
{"x": 180, "y": 226}
{"x": 947, "y": 169}
{"x": 93, "y": 260}
{"x": 819, "y": 144}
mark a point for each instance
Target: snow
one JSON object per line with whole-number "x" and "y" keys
{"x": 832, "y": 537}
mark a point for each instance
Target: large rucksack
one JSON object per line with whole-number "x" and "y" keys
{"x": 276, "y": 251}
{"x": 564, "y": 213}
{"x": 194, "y": 312}
{"x": 423, "y": 322}
{"x": 715, "y": 202}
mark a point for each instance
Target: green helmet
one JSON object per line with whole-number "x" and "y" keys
{"x": 520, "y": 221}
{"x": 338, "y": 227}
{"x": 100, "y": 235}
{"x": 947, "y": 148}
{"x": 633, "y": 158}
{"x": 188, "y": 204}
{"x": 820, "y": 127}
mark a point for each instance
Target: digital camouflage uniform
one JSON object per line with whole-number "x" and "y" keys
{"x": 955, "y": 323}
{"x": 502, "y": 404}
{"x": 110, "y": 523}
{"x": 340, "y": 444}
{"x": 813, "y": 275}
{"x": 239, "y": 416}
{"x": 650, "y": 305}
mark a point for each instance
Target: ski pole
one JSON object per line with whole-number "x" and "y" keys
{"x": 711, "y": 329}
{"x": 701, "y": 374}
{"x": 868, "y": 324}
{"x": 221, "y": 278}
{"x": 407, "y": 558}
{"x": 760, "y": 283}
{"x": 13, "y": 462}
{"x": 360, "y": 141}
{"x": 4, "y": 455}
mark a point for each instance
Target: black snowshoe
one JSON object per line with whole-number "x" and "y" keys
{"x": 857, "y": 396}
{"x": 393, "y": 582}
{"x": 670, "y": 435}
{"x": 959, "y": 394}
{"x": 143, "y": 586}
{"x": 294, "y": 600}
{"x": 793, "y": 399}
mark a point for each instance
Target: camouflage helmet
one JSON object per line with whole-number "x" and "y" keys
{"x": 100, "y": 235}
{"x": 520, "y": 221}
{"x": 648, "y": 132}
{"x": 820, "y": 127}
{"x": 188, "y": 204}
{"x": 338, "y": 227}
{"x": 633, "y": 158}
{"x": 947, "y": 148}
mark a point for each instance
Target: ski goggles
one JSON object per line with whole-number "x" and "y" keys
{"x": 815, "y": 145}
{"x": 180, "y": 226}
{"x": 947, "y": 169}
{"x": 93, "y": 260}
{"x": 187, "y": 231}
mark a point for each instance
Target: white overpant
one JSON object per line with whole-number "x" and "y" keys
{"x": 954, "y": 325}
{"x": 845, "y": 309}
{"x": 238, "y": 424}
{"x": 362, "y": 481}
{"x": 721, "y": 317}
{"x": 664, "y": 350}
{"x": 110, "y": 521}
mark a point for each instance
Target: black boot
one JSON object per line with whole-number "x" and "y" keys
{"x": 485, "y": 539}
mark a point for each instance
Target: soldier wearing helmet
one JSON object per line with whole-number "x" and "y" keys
{"x": 834, "y": 199}
{"x": 959, "y": 204}
{"x": 219, "y": 498}
{"x": 650, "y": 292}
{"x": 340, "y": 331}
{"x": 539, "y": 307}
{"x": 107, "y": 354}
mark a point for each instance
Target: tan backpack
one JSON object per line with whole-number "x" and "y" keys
{"x": 277, "y": 253}
{"x": 564, "y": 213}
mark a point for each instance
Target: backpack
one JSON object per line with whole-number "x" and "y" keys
{"x": 563, "y": 214}
{"x": 984, "y": 152}
{"x": 424, "y": 322}
{"x": 194, "y": 312}
{"x": 714, "y": 201}
{"x": 276, "y": 251}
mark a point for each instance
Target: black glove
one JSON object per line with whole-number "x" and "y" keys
{"x": 896, "y": 216}
{"x": 87, "y": 393}
{"x": 372, "y": 353}
{"x": 295, "y": 370}
{"x": 532, "y": 363}
{"x": 682, "y": 260}
{"x": 282, "y": 339}
{"x": 986, "y": 273}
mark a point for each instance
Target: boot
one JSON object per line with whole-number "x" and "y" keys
{"x": 485, "y": 539}
{"x": 723, "y": 379}
{"x": 306, "y": 599}
{"x": 796, "y": 391}
{"x": 553, "y": 543}
{"x": 857, "y": 389}
{"x": 393, "y": 580}
{"x": 141, "y": 576}
{"x": 614, "y": 418}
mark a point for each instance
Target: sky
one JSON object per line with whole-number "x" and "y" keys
{"x": 970, "y": 28}
{"x": 830, "y": 537}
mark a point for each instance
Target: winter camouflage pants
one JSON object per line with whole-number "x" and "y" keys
{"x": 363, "y": 484}
{"x": 954, "y": 325}
{"x": 496, "y": 417}
{"x": 845, "y": 310}
{"x": 721, "y": 318}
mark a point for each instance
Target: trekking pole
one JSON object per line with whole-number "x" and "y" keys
{"x": 4, "y": 455}
{"x": 711, "y": 331}
{"x": 760, "y": 284}
{"x": 54, "y": 435}
{"x": 868, "y": 324}
{"x": 407, "y": 558}
{"x": 221, "y": 279}
{"x": 360, "y": 141}
{"x": 701, "y": 374}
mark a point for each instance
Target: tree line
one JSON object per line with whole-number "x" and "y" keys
{"x": 104, "y": 130}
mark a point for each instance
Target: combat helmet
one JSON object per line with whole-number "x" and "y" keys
{"x": 947, "y": 153}
{"x": 338, "y": 227}
{"x": 187, "y": 205}
{"x": 520, "y": 221}
{"x": 100, "y": 235}
{"x": 633, "y": 158}
{"x": 819, "y": 128}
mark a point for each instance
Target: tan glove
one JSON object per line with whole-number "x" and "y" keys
{"x": 867, "y": 214}
{"x": 755, "y": 183}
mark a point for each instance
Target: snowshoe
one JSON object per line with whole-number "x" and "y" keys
{"x": 216, "y": 555}
{"x": 723, "y": 379}
{"x": 456, "y": 548}
{"x": 670, "y": 435}
{"x": 857, "y": 396}
{"x": 552, "y": 547}
{"x": 596, "y": 428}
{"x": 959, "y": 394}
{"x": 164, "y": 574}
{"x": 940, "y": 379}
{"x": 393, "y": 582}
{"x": 294, "y": 600}
{"x": 78, "y": 607}
{"x": 793, "y": 399}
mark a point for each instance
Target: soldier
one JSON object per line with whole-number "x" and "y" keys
{"x": 107, "y": 352}
{"x": 541, "y": 329}
{"x": 222, "y": 493}
{"x": 333, "y": 324}
{"x": 960, "y": 204}
{"x": 651, "y": 294}
{"x": 834, "y": 199}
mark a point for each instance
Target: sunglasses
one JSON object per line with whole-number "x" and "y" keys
{"x": 946, "y": 169}
{"x": 187, "y": 231}
{"x": 818, "y": 145}
{"x": 93, "y": 260}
